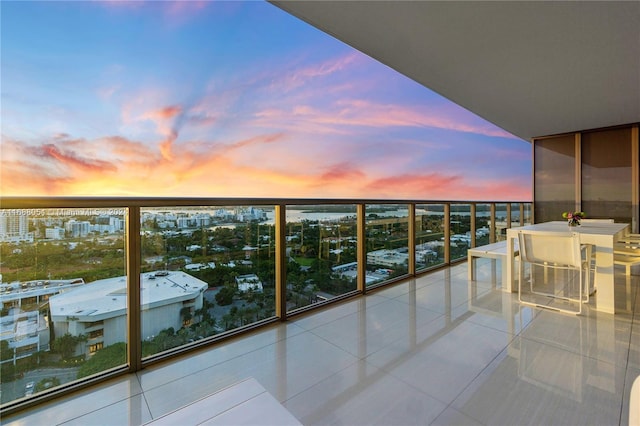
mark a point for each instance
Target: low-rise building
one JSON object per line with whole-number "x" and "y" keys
{"x": 385, "y": 257}
{"x": 25, "y": 333}
{"x": 98, "y": 310}
{"x": 249, "y": 282}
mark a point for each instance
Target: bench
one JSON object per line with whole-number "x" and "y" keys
{"x": 491, "y": 251}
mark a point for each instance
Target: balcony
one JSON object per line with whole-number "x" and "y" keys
{"x": 426, "y": 346}
{"x": 434, "y": 349}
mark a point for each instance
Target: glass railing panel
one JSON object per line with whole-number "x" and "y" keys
{"x": 321, "y": 249}
{"x": 429, "y": 236}
{"x": 483, "y": 224}
{"x": 460, "y": 228}
{"x": 528, "y": 208}
{"x": 387, "y": 242}
{"x": 63, "y": 296}
{"x": 515, "y": 215}
{"x": 501, "y": 222}
{"x": 205, "y": 271}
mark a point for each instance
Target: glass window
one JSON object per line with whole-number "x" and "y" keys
{"x": 387, "y": 236}
{"x": 429, "y": 236}
{"x": 62, "y": 269}
{"x": 460, "y": 230}
{"x": 554, "y": 177}
{"x": 205, "y": 271}
{"x": 515, "y": 215}
{"x": 483, "y": 224}
{"x": 321, "y": 246}
{"x": 527, "y": 214}
{"x": 501, "y": 222}
{"x": 606, "y": 174}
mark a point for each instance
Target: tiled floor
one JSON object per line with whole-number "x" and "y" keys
{"x": 433, "y": 350}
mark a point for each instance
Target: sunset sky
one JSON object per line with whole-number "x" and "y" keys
{"x": 227, "y": 99}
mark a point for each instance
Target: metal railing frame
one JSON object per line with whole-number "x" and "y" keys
{"x": 133, "y": 206}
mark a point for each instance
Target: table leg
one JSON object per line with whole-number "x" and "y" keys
{"x": 604, "y": 279}
{"x": 507, "y": 284}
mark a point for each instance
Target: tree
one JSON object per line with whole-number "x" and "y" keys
{"x": 225, "y": 296}
{"x": 65, "y": 345}
{"x": 106, "y": 358}
{"x": 5, "y": 351}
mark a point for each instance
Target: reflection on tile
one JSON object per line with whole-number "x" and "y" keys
{"x": 443, "y": 364}
{"x": 451, "y": 416}
{"x": 132, "y": 411}
{"x": 244, "y": 403}
{"x": 362, "y": 394}
{"x": 500, "y": 310}
{"x": 333, "y": 313}
{"x": 284, "y": 369}
{"x": 601, "y": 336}
{"x": 440, "y": 297}
{"x": 158, "y": 375}
{"x": 534, "y": 383}
{"x": 367, "y": 331}
{"x": 79, "y": 403}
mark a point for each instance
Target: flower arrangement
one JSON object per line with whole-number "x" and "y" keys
{"x": 573, "y": 217}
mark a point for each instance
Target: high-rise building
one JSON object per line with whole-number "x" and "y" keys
{"x": 15, "y": 228}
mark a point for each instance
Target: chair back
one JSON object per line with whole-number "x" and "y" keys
{"x": 542, "y": 248}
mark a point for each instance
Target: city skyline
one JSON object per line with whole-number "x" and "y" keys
{"x": 228, "y": 99}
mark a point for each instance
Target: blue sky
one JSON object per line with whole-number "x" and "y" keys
{"x": 229, "y": 99}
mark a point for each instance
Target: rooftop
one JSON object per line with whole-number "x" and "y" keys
{"x": 107, "y": 298}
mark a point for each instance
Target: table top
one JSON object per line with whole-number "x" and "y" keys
{"x": 599, "y": 228}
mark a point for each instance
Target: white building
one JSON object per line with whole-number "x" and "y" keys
{"x": 98, "y": 310}
{"x": 25, "y": 332}
{"x": 77, "y": 228}
{"x": 249, "y": 282}
{"x": 184, "y": 222}
{"x": 385, "y": 257}
{"x": 55, "y": 233}
{"x": 15, "y": 228}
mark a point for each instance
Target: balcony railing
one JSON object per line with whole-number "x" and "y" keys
{"x": 162, "y": 276}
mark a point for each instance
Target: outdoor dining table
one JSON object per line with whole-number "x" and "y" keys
{"x": 602, "y": 235}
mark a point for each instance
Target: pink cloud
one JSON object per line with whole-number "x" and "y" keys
{"x": 162, "y": 114}
{"x": 302, "y": 76}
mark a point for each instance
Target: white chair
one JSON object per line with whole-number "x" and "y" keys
{"x": 627, "y": 256}
{"x": 630, "y": 241}
{"x": 555, "y": 251}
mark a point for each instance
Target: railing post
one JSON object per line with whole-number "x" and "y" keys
{"x": 134, "y": 322}
{"x": 281, "y": 262}
{"x": 472, "y": 221}
{"x": 411, "y": 241}
{"x": 492, "y": 224}
{"x": 447, "y": 233}
{"x": 361, "y": 253}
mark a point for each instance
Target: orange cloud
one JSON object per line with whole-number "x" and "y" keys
{"x": 165, "y": 113}
{"x": 74, "y": 161}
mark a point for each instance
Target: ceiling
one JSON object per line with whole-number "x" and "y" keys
{"x": 532, "y": 68}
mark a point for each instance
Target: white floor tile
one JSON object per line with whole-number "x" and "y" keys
{"x": 435, "y": 349}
